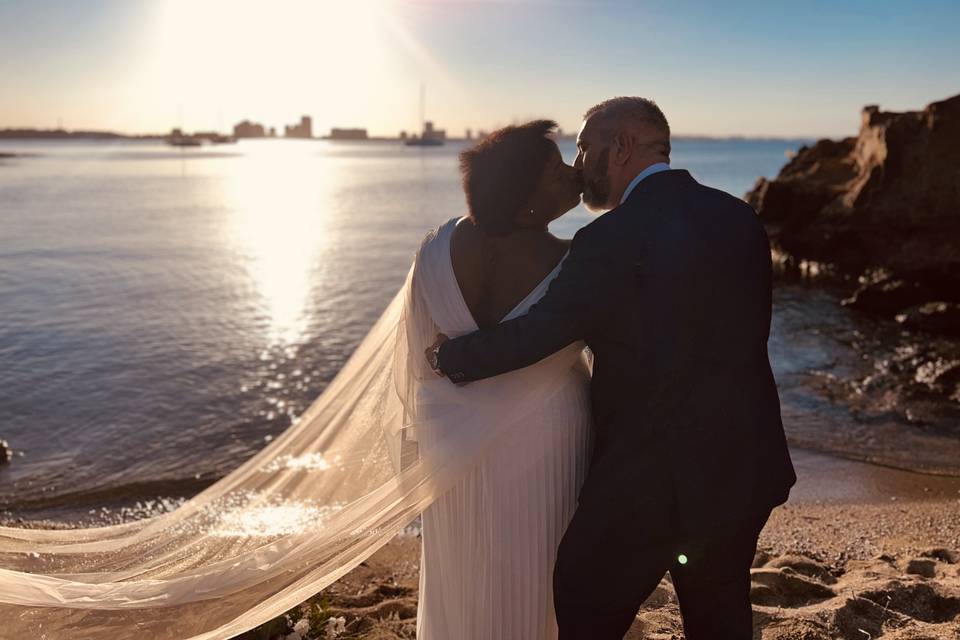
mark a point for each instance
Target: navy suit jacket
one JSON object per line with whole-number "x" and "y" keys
{"x": 672, "y": 293}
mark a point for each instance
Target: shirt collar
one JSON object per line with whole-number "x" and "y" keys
{"x": 649, "y": 171}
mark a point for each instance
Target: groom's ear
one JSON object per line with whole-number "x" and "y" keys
{"x": 622, "y": 147}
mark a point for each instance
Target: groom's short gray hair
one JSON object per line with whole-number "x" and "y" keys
{"x": 633, "y": 110}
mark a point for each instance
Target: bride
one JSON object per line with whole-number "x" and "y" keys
{"x": 494, "y": 466}
{"x": 489, "y": 542}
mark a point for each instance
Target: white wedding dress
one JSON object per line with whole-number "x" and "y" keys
{"x": 489, "y": 543}
{"x": 494, "y": 466}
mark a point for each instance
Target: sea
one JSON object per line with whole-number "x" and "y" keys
{"x": 165, "y": 312}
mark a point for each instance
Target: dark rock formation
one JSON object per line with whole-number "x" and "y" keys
{"x": 936, "y": 317}
{"x": 6, "y": 453}
{"x": 881, "y": 293}
{"x": 884, "y": 207}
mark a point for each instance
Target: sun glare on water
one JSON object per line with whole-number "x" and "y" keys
{"x": 214, "y": 63}
{"x": 279, "y": 198}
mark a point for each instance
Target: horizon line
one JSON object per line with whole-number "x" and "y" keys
{"x": 5, "y": 131}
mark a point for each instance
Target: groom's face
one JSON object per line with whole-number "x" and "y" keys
{"x": 593, "y": 159}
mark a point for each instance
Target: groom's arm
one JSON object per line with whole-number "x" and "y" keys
{"x": 582, "y": 293}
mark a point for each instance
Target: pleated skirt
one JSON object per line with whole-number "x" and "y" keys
{"x": 489, "y": 544}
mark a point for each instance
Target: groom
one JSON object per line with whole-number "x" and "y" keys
{"x": 671, "y": 290}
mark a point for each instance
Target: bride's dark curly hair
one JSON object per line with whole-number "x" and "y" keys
{"x": 501, "y": 172}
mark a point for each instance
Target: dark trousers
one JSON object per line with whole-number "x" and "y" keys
{"x": 606, "y": 570}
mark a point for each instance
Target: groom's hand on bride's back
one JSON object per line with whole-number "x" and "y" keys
{"x": 432, "y": 354}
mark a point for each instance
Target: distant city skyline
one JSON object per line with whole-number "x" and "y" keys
{"x": 800, "y": 70}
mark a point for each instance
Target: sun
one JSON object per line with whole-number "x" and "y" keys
{"x": 268, "y": 60}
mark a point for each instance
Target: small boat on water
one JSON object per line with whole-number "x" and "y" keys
{"x": 178, "y": 138}
{"x": 184, "y": 142}
{"x": 424, "y": 141}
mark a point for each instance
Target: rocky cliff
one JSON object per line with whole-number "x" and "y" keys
{"x": 883, "y": 207}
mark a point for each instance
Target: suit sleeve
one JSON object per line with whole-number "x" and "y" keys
{"x": 580, "y": 295}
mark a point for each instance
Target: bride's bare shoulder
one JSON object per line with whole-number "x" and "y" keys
{"x": 466, "y": 245}
{"x": 431, "y": 236}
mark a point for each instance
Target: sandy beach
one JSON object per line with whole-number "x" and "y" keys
{"x": 859, "y": 552}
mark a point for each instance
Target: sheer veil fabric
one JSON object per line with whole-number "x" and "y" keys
{"x": 304, "y": 511}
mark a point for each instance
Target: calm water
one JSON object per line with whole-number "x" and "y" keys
{"x": 163, "y": 313}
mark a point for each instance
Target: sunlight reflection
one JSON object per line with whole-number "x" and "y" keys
{"x": 306, "y": 462}
{"x": 272, "y": 520}
{"x": 279, "y": 198}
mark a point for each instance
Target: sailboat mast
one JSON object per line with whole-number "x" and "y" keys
{"x": 428, "y": 136}
{"x": 423, "y": 102}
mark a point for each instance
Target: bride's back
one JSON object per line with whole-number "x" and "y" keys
{"x": 496, "y": 274}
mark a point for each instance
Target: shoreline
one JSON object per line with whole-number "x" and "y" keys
{"x": 823, "y": 477}
{"x": 857, "y": 548}
{"x": 826, "y": 478}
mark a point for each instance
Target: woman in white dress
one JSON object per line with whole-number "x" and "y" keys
{"x": 494, "y": 466}
{"x": 489, "y": 543}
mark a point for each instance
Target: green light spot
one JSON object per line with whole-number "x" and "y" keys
{"x": 682, "y": 559}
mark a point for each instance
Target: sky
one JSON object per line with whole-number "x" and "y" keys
{"x": 790, "y": 69}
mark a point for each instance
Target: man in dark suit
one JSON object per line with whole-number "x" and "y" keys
{"x": 671, "y": 290}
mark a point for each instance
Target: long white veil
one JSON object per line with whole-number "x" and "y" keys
{"x": 316, "y": 502}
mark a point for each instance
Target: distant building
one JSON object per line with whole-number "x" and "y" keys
{"x": 403, "y": 135}
{"x": 302, "y": 130}
{"x": 273, "y": 132}
{"x": 468, "y": 134}
{"x": 247, "y": 129}
{"x": 430, "y": 133}
{"x": 348, "y": 134}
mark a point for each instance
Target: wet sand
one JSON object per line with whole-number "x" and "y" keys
{"x": 828, "y": 479}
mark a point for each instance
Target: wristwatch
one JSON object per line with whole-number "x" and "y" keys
{"x": 434, "y": 358}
